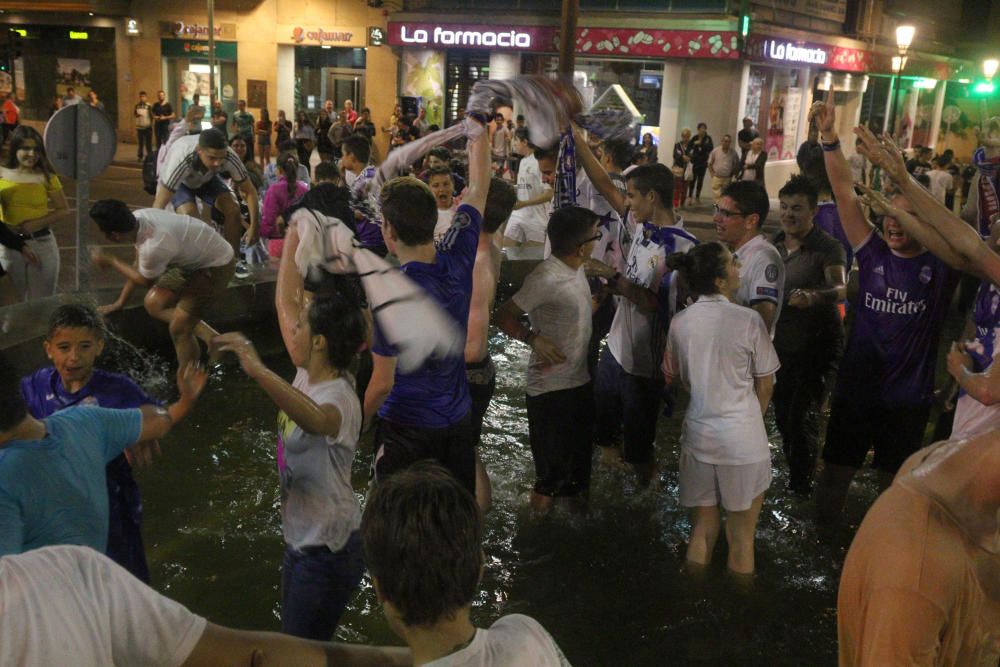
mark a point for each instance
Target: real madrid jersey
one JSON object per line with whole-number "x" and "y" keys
{"x": 762, "y": 276}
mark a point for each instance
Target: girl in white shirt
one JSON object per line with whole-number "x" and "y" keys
{"x": 319, "y": 425}
{"x": 722, "y": 354}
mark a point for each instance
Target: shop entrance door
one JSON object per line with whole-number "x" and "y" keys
{"x": 345, "y": 84}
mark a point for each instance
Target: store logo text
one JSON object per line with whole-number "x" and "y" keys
{"x": 789, "y": 52}
{"x": 442, "y": 36}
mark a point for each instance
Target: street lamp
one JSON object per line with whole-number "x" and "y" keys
{"x": 990, "y": 66}
{"x": 904, "y": 37}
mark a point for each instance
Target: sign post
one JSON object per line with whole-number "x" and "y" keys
{"x": 80, "y": 142}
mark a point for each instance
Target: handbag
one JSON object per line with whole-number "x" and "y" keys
{"x": 689, "y": 172}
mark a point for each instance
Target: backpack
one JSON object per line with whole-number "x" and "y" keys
{"x": 149, "y": 172}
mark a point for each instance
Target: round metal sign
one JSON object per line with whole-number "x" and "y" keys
{"x": 951, "y": 114}
{"x": 61, "y": 136}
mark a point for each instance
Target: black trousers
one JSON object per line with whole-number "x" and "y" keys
{"x": 694, "y": 189}
{"x": 145, "y": 140}
{"x": 798, "y": 399}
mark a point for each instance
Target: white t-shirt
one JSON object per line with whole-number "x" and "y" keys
{"x": 69, "y": 605}
{"x": 940, "y": 182}
{"x": 557, "y": 300}
{"x": 531, "y": 222}
{"x": 182, "y": 166}
{"x": 445, "y": 216}
{"x": 318, "y": 505}
{"x": 512, "y": 641}
{"x": 631, "y": 338}
{"x": 167, "y": 239}
{"x": 762, "y": 275}
{"x": 716, "y": 349}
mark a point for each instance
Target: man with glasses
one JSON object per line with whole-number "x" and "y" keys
{"x": 739, "y": 216}
{"x": 556, "y": 297}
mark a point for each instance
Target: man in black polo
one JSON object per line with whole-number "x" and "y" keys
{"x": 809, "y": 335}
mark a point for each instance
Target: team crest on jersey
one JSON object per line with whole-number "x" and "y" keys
{"x": 771, "y": 273}
{"x": 878, "y": 270}
{"x": 89, "y": 400}
{"x": 925, "y": 274}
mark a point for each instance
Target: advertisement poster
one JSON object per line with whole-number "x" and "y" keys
{"x": 72, "y": 73}
{"x": 793, "y": 105}
{"x": 423, "y": 76}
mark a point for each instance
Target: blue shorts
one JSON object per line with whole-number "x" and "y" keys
{"x": 208, "y": 193}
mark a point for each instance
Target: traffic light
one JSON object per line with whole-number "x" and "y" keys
{"x": 17, "y": 36}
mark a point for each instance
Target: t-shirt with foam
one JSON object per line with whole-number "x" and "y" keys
{"x": 528, "y": 223}
{"x": 69, "y": 605}
{"x": 436, "y": 395}
{"x": 762, "y": 275}
{"x": 717, "y": 348}
{"x": 183, "y": 166}
{"x": 971, "y": 416}
{"x": 318, "y": 505}
{"x": 557, "y": 300}
{"x": 512, "y": 641}
{"x": 899, "y": 310}
{"x": 167, "y": 239}
{"x": 52, "y": 491}
{"x": 631, "y": 339}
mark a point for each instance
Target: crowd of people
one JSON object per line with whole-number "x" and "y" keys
{"x": 626, "y": 311}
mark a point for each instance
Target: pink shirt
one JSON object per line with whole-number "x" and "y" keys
{"x": 276, "y": 200}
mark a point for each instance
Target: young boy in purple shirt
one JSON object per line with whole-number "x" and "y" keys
{"x": 426, "y": 413}
{"x": 885, "y": 385}
{"x": 74, "y": 341}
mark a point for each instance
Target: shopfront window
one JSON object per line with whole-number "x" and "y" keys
{"x": 774, "y": 102}
{"x": 462, "y": 71}
{"x": 322, "y": 74}
{"x": 186, "y": 73}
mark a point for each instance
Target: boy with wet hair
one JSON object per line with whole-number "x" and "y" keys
{"x": 185, "y": 264}
{"x": 52, "y": 479}
{"x": 75, "y": 340}
{"x": 556, "y": 297}
{"x": 422, "y": 536}
{"x": 426, "y": 413}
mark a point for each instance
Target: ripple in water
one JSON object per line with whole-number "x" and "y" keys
{"x": 607, "y": 586}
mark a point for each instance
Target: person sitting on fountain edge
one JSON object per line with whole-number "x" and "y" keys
{"x": 74, "y": 342}
{"x": 426, "y": 413}
{"x": 422, "y": 535}
{"x": 185, "y": 263}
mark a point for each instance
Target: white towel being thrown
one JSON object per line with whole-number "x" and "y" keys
{"x": 408, "y": 318}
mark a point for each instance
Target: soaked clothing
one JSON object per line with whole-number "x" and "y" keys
{"x": 809, "y": 342}
{"x": 436, "y": 395}
{"x": 52, "y": 491}
{"x": 893, "y": 343}
{"x": 971, "y": 416}
{"x": 44, "y": 395}
{"x": 482, "y": 379}
{"x": 938, "y": 603}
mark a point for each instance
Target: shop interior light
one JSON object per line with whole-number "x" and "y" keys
{"x": 990, "y": 66}
{"x": 73, "y": 34}
{"x": 926, "y": 84}
{"x": 904, "y": 36}
{"x": 985, "y": 88}
{"x": 965, "y": 80}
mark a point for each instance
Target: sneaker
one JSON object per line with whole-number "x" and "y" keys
{"x": 242, "y": 270}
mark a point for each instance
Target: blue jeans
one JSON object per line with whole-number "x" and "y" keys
{"x": 316, "y": 584}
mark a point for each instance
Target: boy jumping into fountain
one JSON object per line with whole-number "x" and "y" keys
{"x": 185, "y": 263}
{"x": 74, "y": 342}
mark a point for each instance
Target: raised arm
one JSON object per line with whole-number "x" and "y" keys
{"x": 852, "y": 218}
{"x": 596, "y": 173}
{"x": 157, "y": 421}
{"x": 289, "y": 294}
{"x": 310, "y": 416}
{"x": 479, "y": 166}
{"x": 947, "y": 235}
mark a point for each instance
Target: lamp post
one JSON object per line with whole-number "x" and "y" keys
{"x": 904, "y": 37}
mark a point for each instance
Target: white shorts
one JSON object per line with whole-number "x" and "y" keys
{"x": 733, "y": 487}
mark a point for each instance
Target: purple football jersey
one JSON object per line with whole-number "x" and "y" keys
{"x": 986, "y": 316}
{"x": 898, "y": 314}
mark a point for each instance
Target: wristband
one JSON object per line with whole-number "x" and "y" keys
{"x": 830, "y": 147}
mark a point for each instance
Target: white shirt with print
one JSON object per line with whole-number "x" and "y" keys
{"x": 762, "y": 275}
{"x": 531, "y": 222}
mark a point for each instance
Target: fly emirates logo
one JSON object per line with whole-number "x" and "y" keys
{"x": 895, "y": 302}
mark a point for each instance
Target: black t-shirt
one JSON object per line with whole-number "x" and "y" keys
{"x": 746, "y": 136}
{"x": 162, "y": 109}
{"x": 805, "y": 268}
{"x": 700, "y": 150}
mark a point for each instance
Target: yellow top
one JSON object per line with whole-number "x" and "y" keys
{"x": 25, "y": 197}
